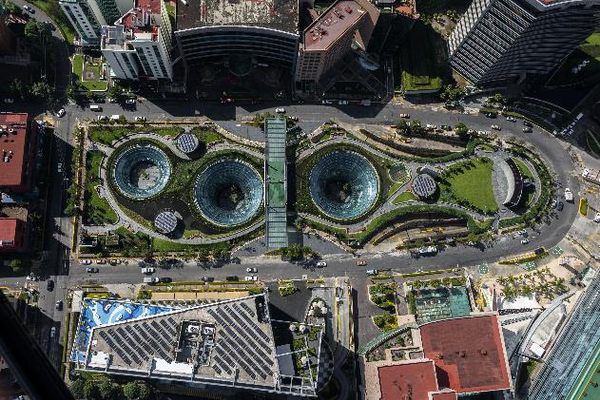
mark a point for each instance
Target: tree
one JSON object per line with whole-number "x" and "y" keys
{"x": 17, "y": 87}
{"x": 41, "y": 90}
{"x": 108, "y": 390}
{"x": 136, "y": 391}
{"x": 115, "y": 91}
{"x": 91, "y": 391}
{"x": 499, "y": 98}
{"x": 77, "y": 388}
{"x": 16, "y": 265}
{"x": 452, "y": 93}
{"x": 461, "y": 130}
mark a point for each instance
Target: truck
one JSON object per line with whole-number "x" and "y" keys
{"x": 151, "y": 280}
{"x": 591, "y": 175}
{"x": 568, "y": 195}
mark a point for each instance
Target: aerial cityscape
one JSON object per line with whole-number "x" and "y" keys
{"x": 300, "y": 199}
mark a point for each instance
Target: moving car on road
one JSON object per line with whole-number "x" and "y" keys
{"x": 92, "y": 270}
{"x": 29, "y": 9}
{"x": 165, "y": 279}
{"x": 207, "y": 279}
{"x": 280, "y": 110}
{"x": 361, "y": 263}
{"x": 597, "y": 217}
{"x": 372, "y": 272}
{"x": 568, "y": 195}
{"x": 321, "y": 264}
{"x": 251, "y": 270}
{"x": 148, "y": 270}
{"x": 527, "y": 129}
{"x": 404, "y": 115}
{"x": 151, "y": 280}
{"x": 560, "y": 206}
{"x": 50, "y": 285}
{"x": 61, "y": 113}
{"x": 59, "y": 305}
{"x": 496, "y": 128}
{"x": 251, "y": 278}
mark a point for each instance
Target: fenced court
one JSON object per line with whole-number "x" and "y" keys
{"x": 441, "y": 303}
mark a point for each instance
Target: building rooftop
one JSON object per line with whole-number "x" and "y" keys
{"x": 13, "y": 149}
{"x": 443, "y": 395}
{"x": 275, "y": 14}
{"x": 412, "y": 380}
{"x": 468, "y": 353}
{"x": 143, "y": 18}
{"x": 332, "y": 24}
{"x": 8, "y": 232}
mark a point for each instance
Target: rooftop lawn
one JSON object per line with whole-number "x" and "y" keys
{"x": 421, "y": 69}
{"x": 78, "y": 67}
{"x": 470, "y": 182}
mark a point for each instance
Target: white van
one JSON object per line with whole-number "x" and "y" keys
{"x": 95, "y": 107}
{"x": 151, "y": 280}
{"x": 115, "y": 117}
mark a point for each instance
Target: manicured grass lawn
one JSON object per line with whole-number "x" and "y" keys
{"x": 78, "y": 68}
{"x": 592, "y": 46}
{"x": 421, "y": 69}
{"x": 97, "y": 211}
{"x": 106, "y": 134}
{"x": 404, "y": 196}
{"x": 386, "y": 322}
{"x": 53, "y": 10}
{"x": 470, "y": 182}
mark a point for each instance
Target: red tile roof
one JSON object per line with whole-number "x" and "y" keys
{"x": 13, "y": 149}
{"x": 8, "y": 232}
{"x": 446, "y": 395}
{"x": 139, "y": 19}
{"x": 468, "y": 353}
{"x": 411, "y": 380}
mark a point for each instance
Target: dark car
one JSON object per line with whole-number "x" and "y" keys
{"x": 166, "y": 279}
{"x": 59, "y": 305}
{"x": 528, "y": 124}
{"x": 92, "y": 270}
{"x": 232, "y": 278}
{"x": 50, "y": 285}
{"x": 207, "y": 279}
{"x": 560, "y": 206}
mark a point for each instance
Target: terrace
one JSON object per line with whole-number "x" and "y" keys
{"x": 276, "y": 14}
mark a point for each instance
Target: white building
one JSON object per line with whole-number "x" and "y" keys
{"x": 139, "y": 44}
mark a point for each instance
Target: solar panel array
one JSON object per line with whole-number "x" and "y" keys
{"x": 166, "y": 221}
{"x": 424, "y": 186}
{"x": 187, "y": 142}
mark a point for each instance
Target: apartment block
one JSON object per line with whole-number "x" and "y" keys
{"x": 499, "y": 42}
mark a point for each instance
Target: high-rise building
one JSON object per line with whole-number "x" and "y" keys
{"x": 498, "y": 42}
{"x": 331, "y": 36}
{"x": 139, "y": 44}
{"x": 87, "y": 16}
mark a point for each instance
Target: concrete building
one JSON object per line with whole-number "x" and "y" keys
{"x": 17, "y": 144}
{"x": 12, "y": 235}
{"x": 264, "y": 30}
{"x": 139, "y": 44}
{"x": 86, "y": 16}
{"x": 330, "y": 37}
{"x": 498, "y": 42}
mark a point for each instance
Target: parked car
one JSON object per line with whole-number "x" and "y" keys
{"x": 61, "y": 113}
{"x": 50, "y": 285}
{"x": 496, "y": 128}
{"x": 52, "y": 331}
{"x": 321, "y": 264}
{"x": 92, "y": 270}
{"x": 568, "y": 195}
{"x": 148, "y": 270}
{"x": 207, "y": 279}
{"x": 151, "y": 280}
{"x": 527, "y": 129}
{"x": 560, "y": 206}
{"x": 361, "y": 263}
{"x": 232, "y": 278}
{"x": 130, "y": 101}
{"x": 511, "y": 119}
{"x": 140, "y": 119}
{"x": 59, "y": 305}
{"x": 553, "y": 203}
{"x": 597, "y": 217}
{"x": 372, "y": 272}
{"x": 280, "y": 110}
{"x": 251, "y": 270}
{"x": 59, "y": 168}
{"x": 446, "y": 127}
{"x": 404, "y": 115}
{"x": 343, "y": 102}
{"x": 251, "y": 278}
{"x": 165, "y": 279}
{"x": 95, "y": 107}
{"x": 29, "y": 9}
{"x": 524, "y": 241}
{"x": 9, "y": 100}
{"x": 102, "y": 117}
{"x": 528, "y": 124}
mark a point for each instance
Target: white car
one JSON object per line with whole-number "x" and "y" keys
{"x": 343, "y": 102}
{"x": 496, "y": 127}
{"x": 524, "y": 241}
{"x": 280, "y": 110}
{"x": 511, "y": 119}
{"x": 148, "y": 270}
{"x": 28, "y": 9}
{"x": 597, "y": 217}
{"x": 321, "y": 264}
{"x": 251, "y": 278}
{"x": 85, "y": 262}
{"x": 251, "y": 270}
{"x": 9, "y": 100}
{"x": 140, "y": 119}
{"x": 102, "y": 117}
{"x": 404, "y": 115}
{"x": 60, "y": 113}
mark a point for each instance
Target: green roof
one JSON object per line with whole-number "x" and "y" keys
{"x": 275, "y": 159}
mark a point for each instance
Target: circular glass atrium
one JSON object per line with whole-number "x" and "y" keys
{"x": 142, "y": 171}
{"x": 344, "y": 184}
{"x": 229, "y": 192}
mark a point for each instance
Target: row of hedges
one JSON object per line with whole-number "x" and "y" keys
{"x": 418, "y": 151}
